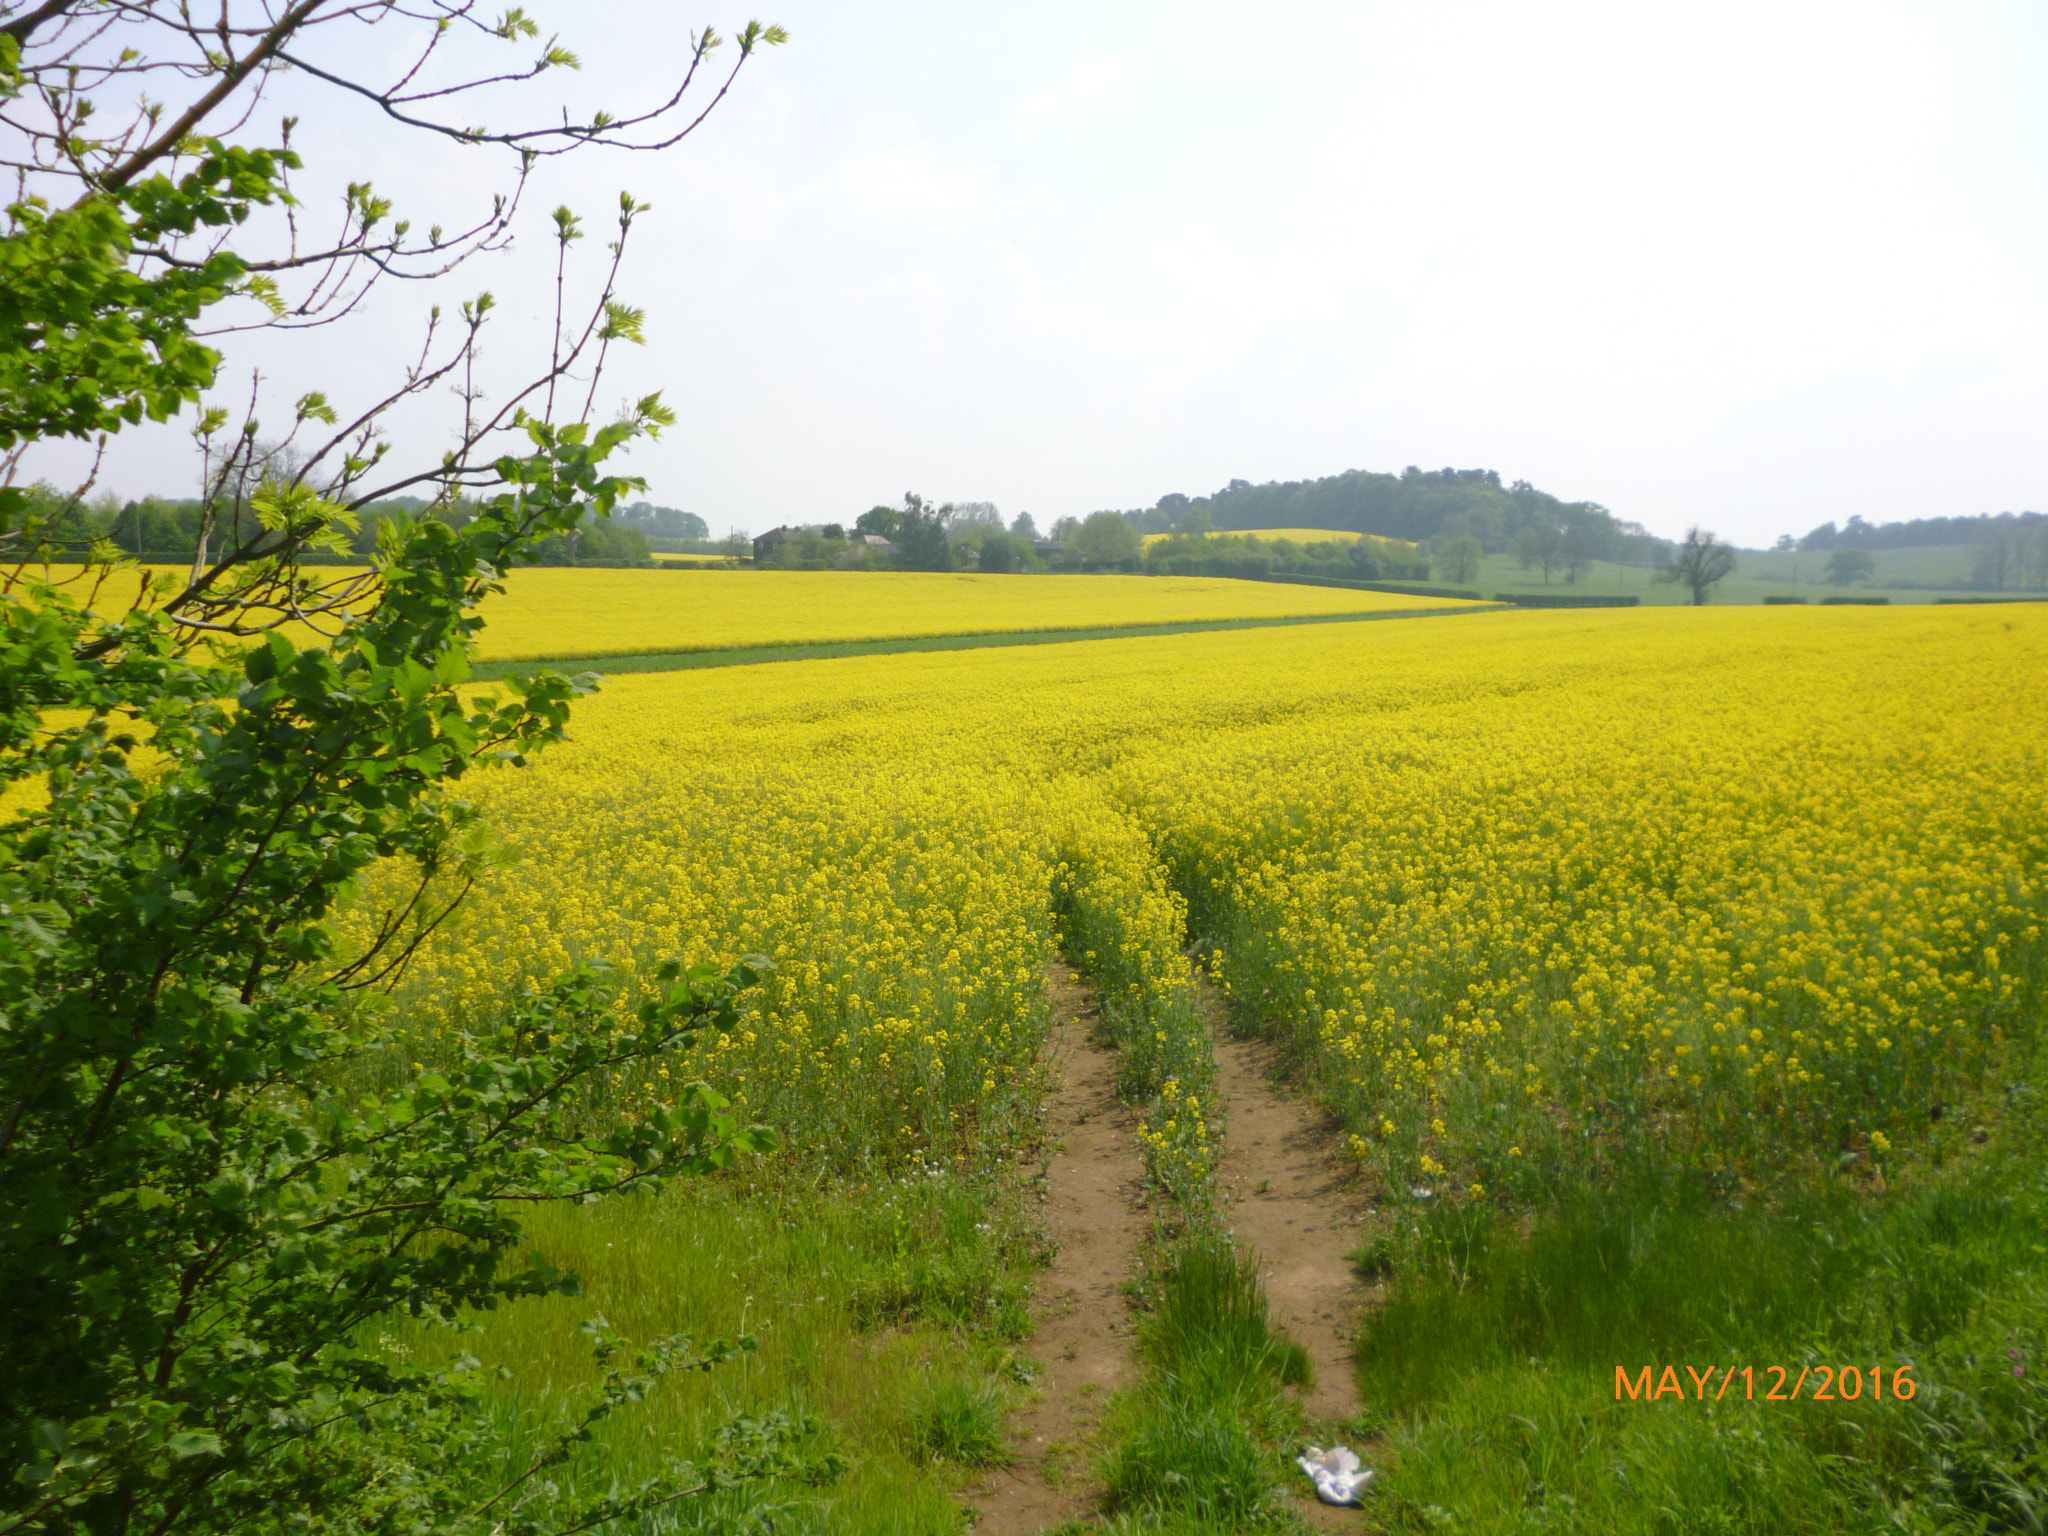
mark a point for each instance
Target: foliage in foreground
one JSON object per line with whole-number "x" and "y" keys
{"x": 200, "y": 1223}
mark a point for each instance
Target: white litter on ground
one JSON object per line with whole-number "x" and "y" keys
{"x": 1336, "y": 1473}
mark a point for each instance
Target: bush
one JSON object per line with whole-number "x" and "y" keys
{"x": 200, "y": 1228}
{"x": 1462, "y": 594}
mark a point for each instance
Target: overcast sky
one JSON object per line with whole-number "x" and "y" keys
{"x": 1757, "y": 266}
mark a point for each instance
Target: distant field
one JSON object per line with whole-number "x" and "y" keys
{"x": 1298, "y": 535}
{"x": 1941, "y": 565}
{"x": 550, "y": 613}
{"x": 1757, "y": 576}
{"x": 668, "y": 559}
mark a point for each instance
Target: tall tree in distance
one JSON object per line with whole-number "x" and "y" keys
{"x": 1541, "y": 544}
{"x": 880, "y": 521}
{"x": 1458, "y": 560}
{"x": 922, "y": 541}
{"x": 1107, "y": 538}
{"x": 1589, "y": 534}
{"x": 1847, "y": 567}
{"x": 1700, "y": 562}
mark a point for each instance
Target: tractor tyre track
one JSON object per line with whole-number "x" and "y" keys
{"x": 1094, "y": 1211}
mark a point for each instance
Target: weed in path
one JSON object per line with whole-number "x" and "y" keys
{"x": 957, "y": 1419}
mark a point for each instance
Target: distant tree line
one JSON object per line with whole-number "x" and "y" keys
{"x": 924, "y": 535}
{"x": 167, "y": 530}
{"x": 1919, "y": 532}
{"x": 1365, "y": 558}
{"x": 2013, "y": 557}
{"x": 2011, "y": 548}
{"x": 663, "y": 522}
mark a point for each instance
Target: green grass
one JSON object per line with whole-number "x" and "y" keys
{"x": 1209, "y": 1330}
{"x": 957, "y": 1418}
{"x": 1946, "y": 566}
{"x": 1493, "y": 1361}
{"x": 1757, "y": 575}
{"x": 753, "y": 656}
{"x": 852, "y": 1293}
{"x": 1199, "y": 1445}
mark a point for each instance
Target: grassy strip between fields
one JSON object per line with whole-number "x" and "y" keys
{"x": 826, "y": 650}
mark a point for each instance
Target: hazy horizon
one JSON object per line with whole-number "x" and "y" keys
{"x": 1759, "y": 270}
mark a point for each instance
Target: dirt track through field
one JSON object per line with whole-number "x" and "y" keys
{"x": 1093, "y": 1211}
{"x": 1291, "y": 1197}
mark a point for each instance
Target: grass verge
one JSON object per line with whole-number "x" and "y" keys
{"x": 1508, "y": 1357}
{"x": 1200, "y": 1443}
{"x": 884, "y": 1316}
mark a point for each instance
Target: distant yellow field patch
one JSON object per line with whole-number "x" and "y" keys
{"x": 549, "y": 612}
{"x": 553, "y": 612}
{"x": 1298, "y": 535}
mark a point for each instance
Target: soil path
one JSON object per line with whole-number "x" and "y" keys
{"x": 1292, "y": 1198}
{"x": 1083, "y": 1337}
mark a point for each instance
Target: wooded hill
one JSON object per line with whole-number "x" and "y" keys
{"x": 1423, "y": 506}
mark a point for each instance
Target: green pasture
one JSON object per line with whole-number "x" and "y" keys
{"x": 1757, "y": 575}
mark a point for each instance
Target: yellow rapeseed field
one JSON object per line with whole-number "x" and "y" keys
{"x": 560, "y": 613}
{"x": 557, "y": 612}
{"x": 1541, "y": 891}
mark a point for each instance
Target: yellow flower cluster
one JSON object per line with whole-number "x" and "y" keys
{"x": 559, "y": 612}
{"x": 1714, "y": 888}
{"x": 1536, "y": 888}
{"x": 868, "y": 825}
{"x": 1174, "y": 1140}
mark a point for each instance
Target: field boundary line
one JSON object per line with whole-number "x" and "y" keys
{"x": 827, "y": 650}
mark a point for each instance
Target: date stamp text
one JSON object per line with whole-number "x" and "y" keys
{"x": 1766, "y": 1384}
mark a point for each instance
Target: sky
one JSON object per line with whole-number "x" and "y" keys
{"x": 1750, "y": 266}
